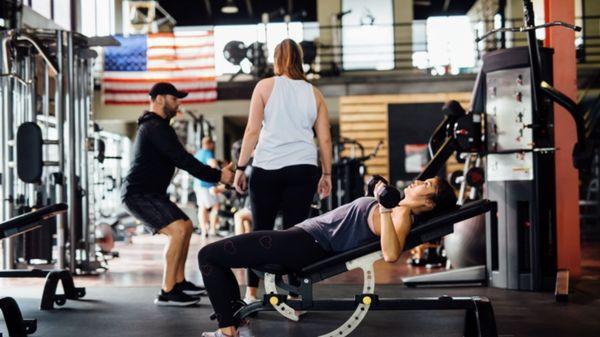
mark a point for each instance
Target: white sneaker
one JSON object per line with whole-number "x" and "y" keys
{"x": 250, "y": 299}
{"x": 244, "y": 331}
{"x": 217, "y": 333}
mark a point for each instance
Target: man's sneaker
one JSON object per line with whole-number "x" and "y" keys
{"x": 175, "y": 298}
{"x": 191, "y": 289}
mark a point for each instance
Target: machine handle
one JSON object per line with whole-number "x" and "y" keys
{"x": 529, "y": 28}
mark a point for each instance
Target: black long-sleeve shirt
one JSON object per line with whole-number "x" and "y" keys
{"x": 156, "y": 153}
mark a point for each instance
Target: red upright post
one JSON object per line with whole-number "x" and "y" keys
{"x": 565, "y": 136}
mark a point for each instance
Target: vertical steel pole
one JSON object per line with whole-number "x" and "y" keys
{"x": 71, "y": 139}
{"x": 84, "y": 121}
{"x": 59, "y": 111}
{"x": 8, "y": 183}
{"x": 7, "y": 157}
{"x": 30, "y": 113}
{"x": 77, "y": 155}
{"x": 19, "y": 108}
{"x": 2, "y": 141}
{"x": 46, "y": 113}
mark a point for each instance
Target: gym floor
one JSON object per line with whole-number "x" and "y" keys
{"x": 119, "y": 303}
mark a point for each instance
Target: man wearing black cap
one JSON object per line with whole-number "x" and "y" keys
{"x": 156, "y": 153}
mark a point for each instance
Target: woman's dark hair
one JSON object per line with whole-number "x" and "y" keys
{"x": 445, "y": 201}
{"x": 288, "y": 58}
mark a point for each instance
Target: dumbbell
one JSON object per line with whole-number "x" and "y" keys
{"x": 375, "y": 179}
{"x": 475, "y": 177}
{"x": 389, "y": 197}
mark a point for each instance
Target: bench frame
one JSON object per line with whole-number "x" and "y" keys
{"x": 16, "y": 325}
{"x": 479, "y": 316}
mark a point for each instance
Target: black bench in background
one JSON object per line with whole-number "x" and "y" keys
{"x": 17, "y": 226}
{"x": 479, "y": 318}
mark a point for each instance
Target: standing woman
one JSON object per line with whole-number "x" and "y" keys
{"x": 284, "y": 111}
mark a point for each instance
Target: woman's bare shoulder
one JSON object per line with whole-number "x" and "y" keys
{"x": 264, "y": 88}
{"x": 318, "y": 95}
{"x": 265, "y": 83}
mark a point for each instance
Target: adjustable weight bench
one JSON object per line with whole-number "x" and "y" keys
{"x": 17, "y": 226}
{"x": 479, "y": 318}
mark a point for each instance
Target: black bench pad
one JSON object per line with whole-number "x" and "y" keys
{"x": 29, "y": 221}
{"x": 427, "y": 231}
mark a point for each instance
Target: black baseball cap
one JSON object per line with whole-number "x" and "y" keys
{"x": 164, "y": 88}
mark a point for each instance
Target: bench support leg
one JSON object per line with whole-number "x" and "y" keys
{"x": 16, "y": 325}
{"x": 49, "y": 296}
{"x": 363, "y": 307}
{"x": 281, "y": 307}
{"x": 480, "y": 320}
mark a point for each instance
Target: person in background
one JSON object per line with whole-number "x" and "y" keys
{"x": 206, "y": 192}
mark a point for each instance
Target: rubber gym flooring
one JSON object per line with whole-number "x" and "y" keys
{"x": 129, "y": 311}
{"x": 119, "y": 303}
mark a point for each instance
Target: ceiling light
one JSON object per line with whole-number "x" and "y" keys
{"x": 230, "y": 7}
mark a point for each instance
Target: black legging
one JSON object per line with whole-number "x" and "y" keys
{"x": 290, "y": 189}
{"x": 293, "y": 248}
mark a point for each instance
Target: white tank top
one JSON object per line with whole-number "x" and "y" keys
{"x": 287, "y": 136}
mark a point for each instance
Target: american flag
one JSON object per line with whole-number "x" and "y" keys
{"x": 184, "y": 58}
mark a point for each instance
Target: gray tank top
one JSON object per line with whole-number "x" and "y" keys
{"x": 343, "y": 228}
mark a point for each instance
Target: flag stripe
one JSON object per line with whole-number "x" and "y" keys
{"x": 171, "y": 75}
{"x": 145, "y": 91}
{"x": 184, "y": 86}
{"x": 153, "y": 80}
{"x": 182, "y": 63}
{"x": 142, "y": 99}
{"x": 144, "y": 96}
{"x": 166, "y": 57}
{"x": 197, "y": 33}
{"x": 145, "y": 102}
{"x": 177, "y": 67}
{"x": 165, "y": 45}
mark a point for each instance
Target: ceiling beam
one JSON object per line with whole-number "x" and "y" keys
{"x": 208, "y": 8}
{"x": 249, "y": 8}
{"x": 446, "y": 5}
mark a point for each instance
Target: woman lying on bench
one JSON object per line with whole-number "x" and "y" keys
{"x": 344, "y": 228}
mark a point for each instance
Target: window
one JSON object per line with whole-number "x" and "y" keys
{"x": 450, "y": 43}
{"x": 277, "y": 32}
{"x": 57, "y": 10}
{"x": 62, "y": 13}
{"x": 44, "y": 7}
{"x": 98, "y": 17}
{"x": 368, "y": 35}
{"x": 224, "y": 34}
{"x": 248, "y": 34}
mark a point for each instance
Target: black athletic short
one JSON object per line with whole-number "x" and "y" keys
{"x": 154, "y": 210}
